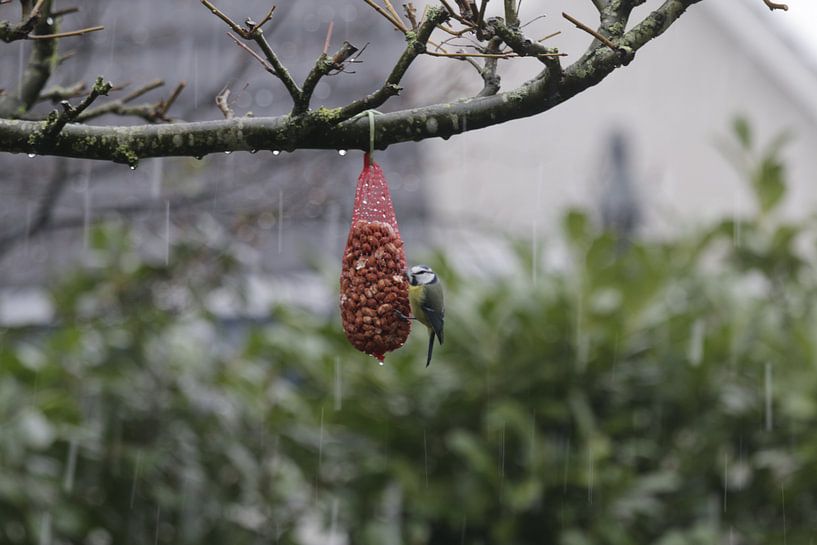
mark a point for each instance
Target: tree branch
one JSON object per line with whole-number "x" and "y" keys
{"x": 523, "y": 46}
{"x": 42, "y": 220}
{"x": 490, "y": 79}
{"x": 323, "y": 66}
{"x": 510, "y": 13}
{"x": 325, "y": 129}
{"x": 42, "y": 215}
{"x": 38, "y": 69}
{"x": 57, "y": 120}
{"x": 416, "y": 45}
{"x": 149, "y": 112}
{"x": 280, "y": 70}
{"x": 254, "y": 32}
{"x": 10, "y": 33}
{"x": 23, "y": 31}
{"x": 58, "y": 92}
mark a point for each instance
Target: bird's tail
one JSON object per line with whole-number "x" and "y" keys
{"x": 430, "y": 346}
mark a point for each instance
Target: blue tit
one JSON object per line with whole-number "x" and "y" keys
{"x": 427, "y": 302}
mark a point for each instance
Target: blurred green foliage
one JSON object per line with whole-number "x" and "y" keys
{"x": 658, "y": 393}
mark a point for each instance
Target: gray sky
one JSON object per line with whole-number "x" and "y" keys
{"x": 800, "y": 20}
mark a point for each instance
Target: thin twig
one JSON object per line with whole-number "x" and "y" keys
{"x": 491, "y": 55}
{"x": 63, "y": 12}
{"x": 221, "y": 15}
{"x": 411, "y": 14}
{"x": 549, "y": 36}
{"x": 57, "y": 93}
{"x": 222, "y": 101}
{"x": 35, "y": 12}
{"x": 164, "y": 105}
{"x": 532, "y": 21}
{"x": 396, "y": 16}
{"x": 603, "y": 39}
{"x": 272, "y": 64}
{"x": 455, "y": 33}
{"x": 774, "y": 5}
{"x": 328, "y": 37}
{"x": 399, "y": 26}
{"x": 257, "y": 57}
{"x": 454, "y": 14}
{"x": 151, "y": 113}
{"x": 155, "y": 84}
{"x": 66, "y": 56}
{"x": 451, "y": 10}
{"x": 391, "y": 86}
{"x": 463, "y": 55}
{"x": 449, "y": 41}
{"x": 267, "y": 17}
{"x": 70, "y": 33}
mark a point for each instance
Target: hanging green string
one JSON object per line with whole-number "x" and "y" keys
{"x": 371, "y": 113}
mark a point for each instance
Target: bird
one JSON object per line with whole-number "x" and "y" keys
{"x": 427, "y": 302}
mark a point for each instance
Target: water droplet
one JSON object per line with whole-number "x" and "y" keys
{"x": 228, "y": 152}
{"x": 32, "y": 155}
{"x": 253, "y": 151}
{"x": 341, "y": 152}
{"x": 276, "y": 152}
{"x": 132, "y": 167}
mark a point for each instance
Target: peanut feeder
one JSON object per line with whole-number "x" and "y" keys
{"x": 373, "y": 286}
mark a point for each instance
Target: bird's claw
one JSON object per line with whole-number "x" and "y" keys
{"x": 403, "y": 316}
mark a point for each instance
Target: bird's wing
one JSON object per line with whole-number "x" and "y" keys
{"x": 435, "y": 320}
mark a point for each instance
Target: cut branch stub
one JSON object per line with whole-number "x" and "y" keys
{"x": 373, "y": 286}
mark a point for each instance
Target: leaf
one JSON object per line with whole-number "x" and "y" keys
{"x": 576, "y": 226}
{"x": 471, "y": 451}
{"x": 743, "y": 132}
{"x": 768, "y": 183}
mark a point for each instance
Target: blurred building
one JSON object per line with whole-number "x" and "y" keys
{"x": 641, "y": 148}
{"x": 673, "y": 106}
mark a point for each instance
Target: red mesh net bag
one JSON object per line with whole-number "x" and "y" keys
{"x": 373, "y": 284}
